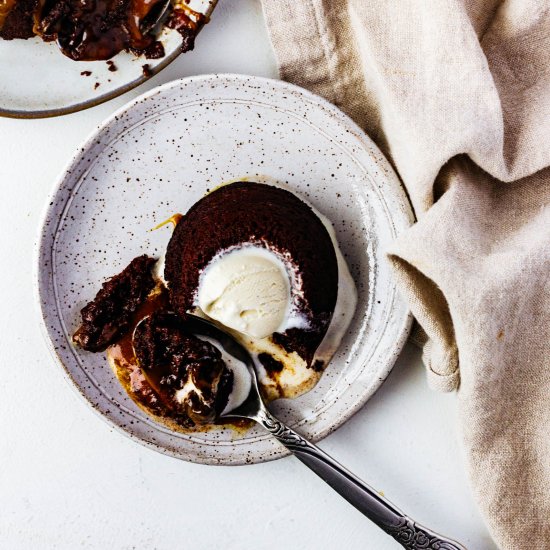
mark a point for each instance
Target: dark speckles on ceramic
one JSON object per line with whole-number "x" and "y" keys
{"x": 158, "y": 156}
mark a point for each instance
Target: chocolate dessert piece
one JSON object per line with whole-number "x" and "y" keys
{"x": 99, "y": 29}
{"x": 91, "y": 30}
{"x": 186, "y": 373}
{"x": 247, "y": 213}
{"x": 109, "y": 314}
{"x": 171, "y": 374}
{"x": 16, "y": 19}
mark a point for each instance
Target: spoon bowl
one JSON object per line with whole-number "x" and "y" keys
{"x": 253, "y": 404}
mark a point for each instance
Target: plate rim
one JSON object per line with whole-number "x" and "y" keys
{"x": 48, "y": 214}
{"x": 95, "y": 101}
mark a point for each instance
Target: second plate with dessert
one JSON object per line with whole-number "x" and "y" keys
{"x": 168, "y": 150}
{"x": 38, "y": 80}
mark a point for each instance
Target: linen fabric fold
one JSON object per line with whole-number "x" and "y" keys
{"x": 457, "y": 95}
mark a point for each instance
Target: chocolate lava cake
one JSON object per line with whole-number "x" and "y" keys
{"x": 91, "y": 30}
{"x": 274, "y": 266}
{"x": 247, "y": 213}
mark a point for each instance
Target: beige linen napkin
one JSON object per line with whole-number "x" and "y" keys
{"x": 457, "y": 95}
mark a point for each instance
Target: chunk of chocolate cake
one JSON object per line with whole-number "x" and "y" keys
{"x": 187, "y": 374}
{"x": 109, "y": 314}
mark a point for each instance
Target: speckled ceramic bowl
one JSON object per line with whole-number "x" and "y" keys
{"x": 159, "y": 155}
{"x": 39, "y": 81}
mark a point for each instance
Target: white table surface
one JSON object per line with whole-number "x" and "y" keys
{"x": 67, "y": 480}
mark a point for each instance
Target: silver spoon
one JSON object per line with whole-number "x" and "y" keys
{"x": 380, "y": 511}
{"x": 154, "y": 25}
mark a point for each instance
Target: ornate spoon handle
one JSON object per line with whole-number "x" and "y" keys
{"x": 381, "y": 512}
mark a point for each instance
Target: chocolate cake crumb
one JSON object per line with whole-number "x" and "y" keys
{"x": 170, "y": 356}
{"x": 111, "y": 66}
{"x": 146, "y": 69}
{"x": 108, "y": 315}
{"x": 96, "y": 85}
{"x": 270, "y": 364}
{"x": 86, "y": 73}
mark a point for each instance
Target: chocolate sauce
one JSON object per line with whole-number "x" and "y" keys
{"x": 93, "y": 30}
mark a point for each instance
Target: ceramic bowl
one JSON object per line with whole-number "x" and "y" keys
{"x": 159, "y": 155}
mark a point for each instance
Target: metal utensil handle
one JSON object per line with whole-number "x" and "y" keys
{"x": 381, "y": 512}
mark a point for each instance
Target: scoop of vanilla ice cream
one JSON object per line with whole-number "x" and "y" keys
{"x": 246, "y": 289}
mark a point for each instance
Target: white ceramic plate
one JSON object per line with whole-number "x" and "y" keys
{"x": 39, "y": 81}
{"x": 158, "y": 156}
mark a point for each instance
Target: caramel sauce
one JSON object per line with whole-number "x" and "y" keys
{"x": 174, "y": 220}
{"x": 194, "y": 18}
{"x": 139, "y": 10}
{"x": 5, "y": 7}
